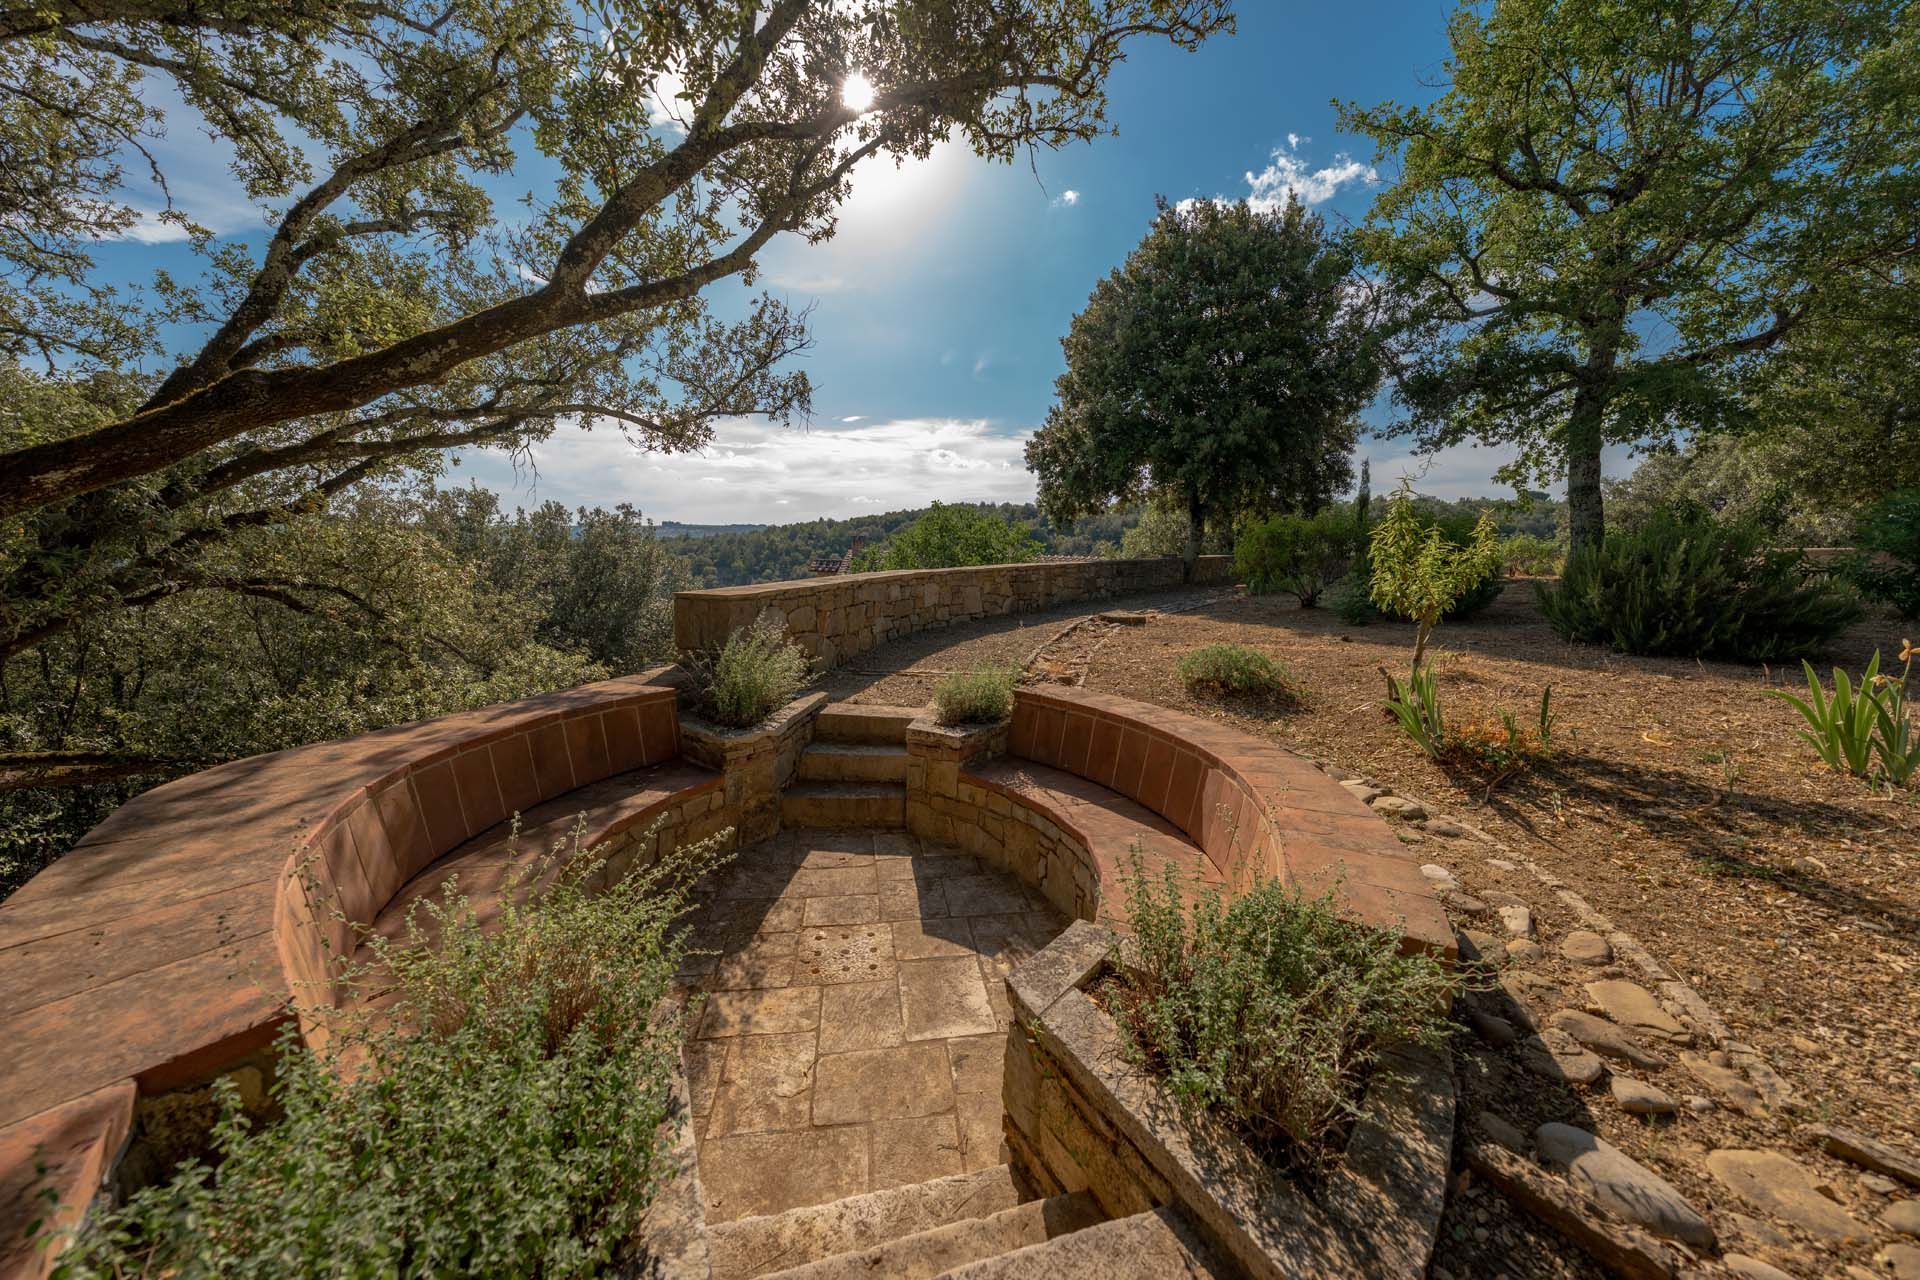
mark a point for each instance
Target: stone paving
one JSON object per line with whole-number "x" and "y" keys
{"x": 855, "y": 1017}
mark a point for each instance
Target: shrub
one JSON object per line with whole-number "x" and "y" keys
{"x": 1686, "y": 584}
{"x": 757, "y": 672}
{"x": 1531, "y": 555}
{"x": 1300, "y": 555}
{"x": 505, "y": 1121}
{"x": 1887, "y": 568}
{"x": 1420, "y": 572}
{"x": 1234, "y": 671}
{"x": 975, "y": 697}
{"x": 1270, "y": 1011}
{"x": 1352, "y": 597}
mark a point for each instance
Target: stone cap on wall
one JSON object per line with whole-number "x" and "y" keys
{"x": 154, "y": 953}
{"x": 892, "y": 604}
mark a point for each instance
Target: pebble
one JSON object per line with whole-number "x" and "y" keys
{"x": 1518, "y": 921}
{"x": 1752, "y": 1268}
{"x": 1361, "y": 791}
{"x": 1903, "y": 1217}
{"x": 1640, "y": 1098}
{"x": 1604, "y": 1038}
{"x": 1495, "y": 1030}
{"x": 1500, "y": 1131}
{"x": 1449, "y": 828}
{"x": 1778, "y": 1186}
{"x": 1338, "y": 774}
{"x": 1700, "y": 1106}
{"x": 1501, "y": 864}
{"x": 1621, "y": 1184}
{"x": 1392, "y": 806}
{"x": 1467, "y": 904}
{"x": 1440, "y": 876}
{"x": 1555, "y": 1055}
{"x": 1526, "y": 951}
{"x": 1902, "y": 1261}
{"x": 1878, "y": 1185}
{"x": 1584, "y": 946}
{"x": 1727, "y": 1082}
{"x": 1632, "y": 1005}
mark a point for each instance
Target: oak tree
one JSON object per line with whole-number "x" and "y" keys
{"x": 1614, "y": 210}
{"x": 1219, "y": 368}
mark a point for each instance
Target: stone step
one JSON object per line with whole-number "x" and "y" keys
{"x": 853, "y": 762}
{"x": 844, "y": 804}
{"x": 860, "y": 722}
{"x": 938, "y": 1250}
{"x": 752, "y": 1247}
{"x": 1156, "y": 1245}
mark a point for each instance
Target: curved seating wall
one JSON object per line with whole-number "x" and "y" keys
{"x": 1251, "y": 811}
{"x": 164, "y": 947}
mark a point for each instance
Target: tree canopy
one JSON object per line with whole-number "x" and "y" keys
{"x": 1613, "y": 210}
{"x": 1219, "y": 368}
{"x": 947, "y": 536}
{"x": 392, "y": 311}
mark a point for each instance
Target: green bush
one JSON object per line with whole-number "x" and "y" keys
{"x": 1887, "y": 569}
{"x": 1352, "y": 597}
{"x": 975, "y": 697}
{"x": 1688, "y": 585}
{"x": 1270, "y": 1011}
{"x": 1531, "y": 555}
{"x": 1234, "y": 671}
{"x": 505, "y": 1121}
{"x": 757, "y": 672}
{"x": 1300, "y": 555}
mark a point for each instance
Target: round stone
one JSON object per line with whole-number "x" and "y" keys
{"x": 1903, "y": 1217}
{"x": 1583, "y": 946}
{"x": 1526, "y": 951}
{"x": 1640, "y": 1098}
{"x": 1398, "y": 807}
{"x": 1621, "y": 1184}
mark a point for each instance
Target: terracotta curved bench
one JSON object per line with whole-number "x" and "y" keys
{"x": 1121, "y": 777}
{"x": 166, "y": 946}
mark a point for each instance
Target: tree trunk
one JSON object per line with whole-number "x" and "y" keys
{"x": 1586, "y": 509}
{"x": 1196, "y": 522}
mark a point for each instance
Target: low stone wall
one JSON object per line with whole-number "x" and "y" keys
{"x": 1080, "y": 1117}
{"x": 1256, "y": 811}
{"x": 757, "y": 763}
{"x": 169, "y": 945}
{"x": 838, "y": 618}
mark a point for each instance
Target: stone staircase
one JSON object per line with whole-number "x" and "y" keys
{"x": 854, "y": 772}
{"x": 972, "y": 1224}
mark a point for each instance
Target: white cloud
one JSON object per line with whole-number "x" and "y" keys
{"x": 665, "y": 109}
{"x": 1066, "y": 199}
{"x": 151, "y": 229}
{"x": 1288, "y": 173}
{"x": 755, "y": 472}
{"x": 854, "y": 417}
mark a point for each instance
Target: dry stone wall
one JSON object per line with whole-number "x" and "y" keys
{"x": 836, "y": 619}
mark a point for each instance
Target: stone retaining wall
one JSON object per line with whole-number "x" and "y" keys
{"x": 757, "y": 763}
{"x": 838, "y": 618}
{"x": 1082, "y": 1117}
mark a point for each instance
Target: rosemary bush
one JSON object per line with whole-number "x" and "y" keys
{"x": 975, "y": 697}
{"x": 502, "y": 1118}
{"x": 756, "y": 673}
{"x": 1234, "y": 671}
{"x": 1270, "y": 1011}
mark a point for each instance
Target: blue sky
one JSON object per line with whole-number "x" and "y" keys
{"x": 939, "y": 306}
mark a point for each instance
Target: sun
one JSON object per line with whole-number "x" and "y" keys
{"x": 857, "y": 92}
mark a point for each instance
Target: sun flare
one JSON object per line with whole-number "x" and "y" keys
{"x": 857, "y": 92}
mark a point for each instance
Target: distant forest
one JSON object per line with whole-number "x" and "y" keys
{"x": 733, "y": 555}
